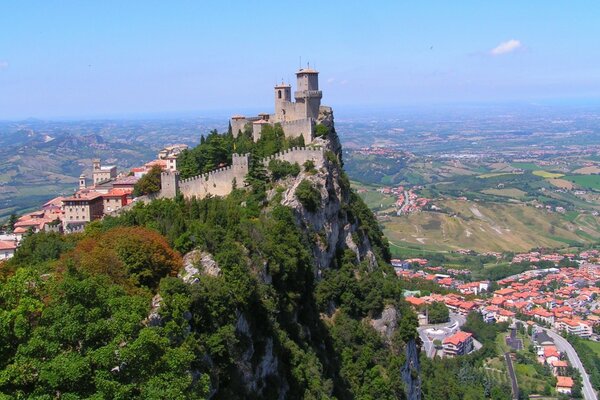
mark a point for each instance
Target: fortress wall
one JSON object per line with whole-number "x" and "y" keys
{"x": 299, "y": 155}
{"x": 301, "y": 127}
{"x": 218, "y": 182}
{"x": 237, "y": 125}
{"x": 169, "y": 182}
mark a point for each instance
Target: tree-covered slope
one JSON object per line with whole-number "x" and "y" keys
{"x": 284, "y": 292}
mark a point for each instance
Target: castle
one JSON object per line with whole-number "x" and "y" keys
{"x": 296, "y": 118}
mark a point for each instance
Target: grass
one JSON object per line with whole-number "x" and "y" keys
{"x": 593, "y": 346}
{"x": 494, "y": 174}
{"x": 527, "y": 166}
{"x": 512, "y": 193}
{"x": 547, "y": 175}
{"x": 487, "y": 226}
{"x": 585, "y": 181}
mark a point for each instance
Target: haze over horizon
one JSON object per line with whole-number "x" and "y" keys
{"x": 82, "y": 60}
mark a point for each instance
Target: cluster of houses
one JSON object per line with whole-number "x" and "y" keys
{"x": 564, "y": 299}
{"x": 549, "y": 355}
{"x": 106, "y": 193}
{"x": 407, "y": 200}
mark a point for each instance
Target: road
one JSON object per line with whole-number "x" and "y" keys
{"x": 513, "y": 376}
{"x": 456, "y": 321}
{"x": 563, "y": 345}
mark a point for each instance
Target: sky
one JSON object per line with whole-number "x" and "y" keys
{"x": 86, "y": 59}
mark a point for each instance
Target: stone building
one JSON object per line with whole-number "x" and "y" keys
{"x": 170, "y": 154}
{"x": 102, "y": 173}
{"x": 80, "y": 209}
{"x": 297, "y": 118}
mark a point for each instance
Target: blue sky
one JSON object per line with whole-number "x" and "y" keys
{"x": 118, "y": 58}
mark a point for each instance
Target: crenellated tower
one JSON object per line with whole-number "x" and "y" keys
{"x": 307, "y": 94}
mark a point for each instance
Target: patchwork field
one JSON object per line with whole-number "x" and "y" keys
{"x": 548, "y": 175}
{"x": 490, "y": 227}
{"x": 585, "y": 181}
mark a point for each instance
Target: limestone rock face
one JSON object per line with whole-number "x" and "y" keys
{"x": 411, "y": 372}
{"x": 329, "y": 225}
{"x": 196, "y": 263}
{"x": 386, "y": 324}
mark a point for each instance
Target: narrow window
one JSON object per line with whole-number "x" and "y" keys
{"x": 279, "y": 93}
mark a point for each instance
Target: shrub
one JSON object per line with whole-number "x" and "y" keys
{"x": 309, "y": 166}
{"x": 321, "y": 130}
{"x": 308, "y": 195}
{"x": 280, "y": 169}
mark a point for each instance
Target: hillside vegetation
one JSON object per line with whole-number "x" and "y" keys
{"x": 115, "y": 313}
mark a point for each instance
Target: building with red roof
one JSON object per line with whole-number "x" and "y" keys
{"x": 458, "y": 344}
{"x": 564, "y": 384}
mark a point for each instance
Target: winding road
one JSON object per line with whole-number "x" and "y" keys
{"x": 563, "y": 345}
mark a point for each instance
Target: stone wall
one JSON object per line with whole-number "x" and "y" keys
{"x": 239, "y": 124}
{"x": 169, "y": 182}
{"x": 298, "y": 155}
{"x": 301, "y": 127}
{"x": 220, "y": 182}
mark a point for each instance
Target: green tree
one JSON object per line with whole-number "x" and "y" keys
{"x": 149, "y": 183}
{"x": 438, "y": 313}
{"x": 308, "y": 195}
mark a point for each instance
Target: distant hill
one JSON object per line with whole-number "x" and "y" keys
{"x": 40, "y": 160}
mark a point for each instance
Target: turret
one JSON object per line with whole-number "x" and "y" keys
{"x": 96, "y": 164}
{"x": 283, "y": 96}
{"x": 82, "y": 184}
{"x": 308, "y": 93}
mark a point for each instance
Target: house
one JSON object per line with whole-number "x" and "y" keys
{"x": 115, "y": 200}
{"x": 7, "y": 249}
{"x": 466, "y": 307}
{"x": 504, "y": 315}
{"x": 416, "y": 302}
{"x": 504, "y": 292}
{"x": 458, "y": 344}
{"x": 80, "y": 209}
{"x": 575, "y": 327}
{"x": 551, "y": 354}
{"x": 543, "y": 315}
{"x": 564, "y": 384}
{"x": 559, "y": 367}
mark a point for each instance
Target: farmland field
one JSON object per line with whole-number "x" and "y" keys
{"x": 585, "y": 181}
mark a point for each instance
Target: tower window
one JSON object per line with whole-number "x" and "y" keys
{"x": 279, "y": 93}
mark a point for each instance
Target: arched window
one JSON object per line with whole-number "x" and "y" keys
{"x": 279, "y": 93}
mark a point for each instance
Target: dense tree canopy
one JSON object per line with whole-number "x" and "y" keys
{"x": 149, "y": 183}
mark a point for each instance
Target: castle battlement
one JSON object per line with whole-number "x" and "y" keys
{"x": 220, "y": 182}
{"x": 297, "y": 118}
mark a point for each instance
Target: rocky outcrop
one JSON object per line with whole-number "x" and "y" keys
{"x": 411, "y": 371}
{"x": 329, "y": 224}
{"x": 198, "y": 262}
{"x": 386, "y": 323}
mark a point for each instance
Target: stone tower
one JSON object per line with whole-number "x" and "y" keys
{"x": 283, "y": 97}
{"x": 169, "y": 184}
{"x": 82, "y": 184}
{"x": 308, "y": 96}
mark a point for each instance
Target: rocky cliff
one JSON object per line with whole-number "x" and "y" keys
{"x": 331, "y": 228}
